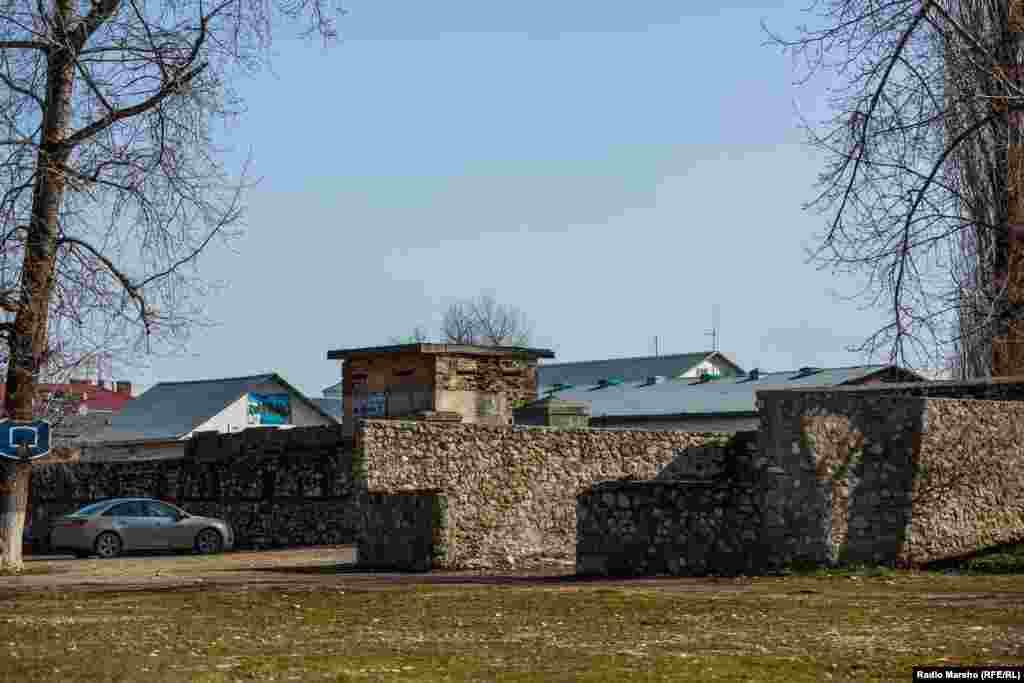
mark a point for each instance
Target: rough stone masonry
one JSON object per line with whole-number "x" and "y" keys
{"x": 511, "y": 490}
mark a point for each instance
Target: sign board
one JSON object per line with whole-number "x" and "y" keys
{"x": 269, "y": 409}
{"x": 14, "y": 436}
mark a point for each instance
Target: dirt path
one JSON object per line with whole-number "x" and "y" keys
{"x": 294, "y": 568}
{"x": 333, "y": 568}
{"x": 292, "y": 565}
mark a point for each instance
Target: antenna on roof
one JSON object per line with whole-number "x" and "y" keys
{"x": 655, "y": 346}
{"x": 714, "y": 329}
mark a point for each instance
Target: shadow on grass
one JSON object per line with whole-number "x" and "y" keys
{"x": 470, "y": 577}
{"x": 1003, "y": 559}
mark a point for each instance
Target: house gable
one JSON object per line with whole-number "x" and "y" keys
{"x": 235, "y": 416}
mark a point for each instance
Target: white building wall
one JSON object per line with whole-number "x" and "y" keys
{"x": 235, "y": 417}
{"x": 712, "y": 366}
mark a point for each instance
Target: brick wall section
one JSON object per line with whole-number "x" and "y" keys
{"x": 280, "y": 487}
{"x": 512, "y": 490}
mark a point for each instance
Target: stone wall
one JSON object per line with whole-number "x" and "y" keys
{"x": 275, "y": 487}
{"x": 665, "y": 527}
{"x": 483, "y": 386}
{"x": 968, "y": 479}
{"x": 406, "y": 531}
{"x": 515, "y": 377}
{"x": 511, "y": 490}
{"x": 898, "y": 474}
{"x": 893, "y": 476}
{"x": 701, "y": 516}
{"x": 484, "y": 389}
{"x": 727, "y": 424}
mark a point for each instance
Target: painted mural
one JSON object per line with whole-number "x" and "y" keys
{"x": 269, "y": 409}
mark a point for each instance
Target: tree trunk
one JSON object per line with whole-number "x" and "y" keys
{"x": 28, "y": 339}
{"x": 14, "y": 480}
{"x": 1008, "y": 347}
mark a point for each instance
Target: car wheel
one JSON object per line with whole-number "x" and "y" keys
{"x": 209, "y": 542}
{"x": 108, "y": 545}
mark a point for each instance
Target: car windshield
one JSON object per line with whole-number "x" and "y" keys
{"x": 89, "y": 509}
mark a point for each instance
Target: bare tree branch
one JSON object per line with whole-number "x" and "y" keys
{"x": 111, "y": 186}
{"x": 483, "y": 321}
{"x": 915, "y": 186}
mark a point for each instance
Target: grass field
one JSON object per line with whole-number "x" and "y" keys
{"x": 794, "y": 628}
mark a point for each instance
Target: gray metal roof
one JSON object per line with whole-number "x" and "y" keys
{"x": 720, "y": 396}
{"x": 169, "y": 410}
{"x": 69, "y": 428}
{"x": 628, "y": 369}
{"x": 331, "y": 406}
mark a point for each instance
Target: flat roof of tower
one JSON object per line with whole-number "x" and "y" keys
{"x": 442, "y": 350}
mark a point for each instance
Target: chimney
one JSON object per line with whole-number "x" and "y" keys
{"x": 123, "y": 387}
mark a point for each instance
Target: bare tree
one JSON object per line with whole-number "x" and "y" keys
{"x": 485, "y": 322}
{"x": 920, "y": 182}
{"x": 458, "y": 326}
{"x": 111, "y": 185}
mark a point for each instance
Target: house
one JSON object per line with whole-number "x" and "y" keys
{"x": 724, "y": 404}
{"x": 556, "y": 376}
{"x": 480, "y": 384}
{"x": 331, "y": 401}
{"x": 157, "y": 424}
{"x": 79, "y": 406}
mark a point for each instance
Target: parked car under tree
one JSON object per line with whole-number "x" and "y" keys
{"x": 110, "y": 527}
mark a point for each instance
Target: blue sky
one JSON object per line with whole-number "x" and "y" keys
{"x": 614, "y": 170}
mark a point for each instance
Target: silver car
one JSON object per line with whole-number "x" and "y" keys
{"x": 112, "y": 526}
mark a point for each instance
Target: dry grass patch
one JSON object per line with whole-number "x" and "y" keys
{"x": 770, "y": 629}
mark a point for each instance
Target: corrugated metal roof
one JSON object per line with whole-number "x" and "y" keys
{"x": 628, "y": 369}
{"x": 169, "y": 410}
{"x": 726, "y": 395}
{"x": 331, "y": 406}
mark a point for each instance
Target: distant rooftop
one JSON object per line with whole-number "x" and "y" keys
{"x": 330, "y": 406}
{"x": 633, "y": 369}
{"x": 718, "y": 396}
{"x": 170, "y": 410}
{"x": 443, "y": 349}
